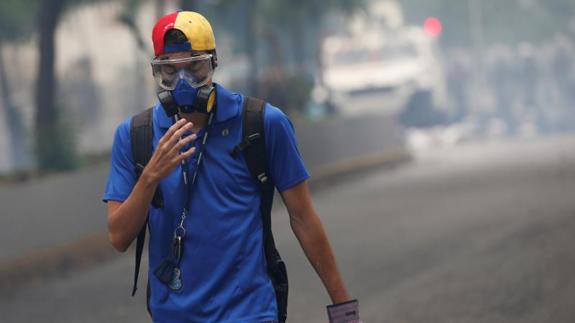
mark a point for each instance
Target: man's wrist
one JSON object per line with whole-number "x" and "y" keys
{"x": 149, "y": 180}
{"x": 339, "y": 296}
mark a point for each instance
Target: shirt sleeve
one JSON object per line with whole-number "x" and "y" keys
{"x": 122, "y": 176}
{"x": 284, "y": 160}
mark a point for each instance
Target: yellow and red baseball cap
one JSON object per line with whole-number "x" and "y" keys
{"x": 194, "y": 26}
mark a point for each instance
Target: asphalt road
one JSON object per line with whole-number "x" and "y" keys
{"x": 479, "y": 233}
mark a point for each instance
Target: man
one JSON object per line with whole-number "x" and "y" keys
{"x": 206, "y": 251}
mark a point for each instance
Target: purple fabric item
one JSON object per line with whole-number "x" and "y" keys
{"x": 346, "y": 312}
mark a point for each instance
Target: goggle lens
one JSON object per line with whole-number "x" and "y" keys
{"x": 196, "y": 70}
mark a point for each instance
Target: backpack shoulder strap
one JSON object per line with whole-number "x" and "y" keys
{"x": 253, "y": 146}
{"x": 253, "y": 143}
{"x": 256, "y": 158}
{"x": 141, "y": 136}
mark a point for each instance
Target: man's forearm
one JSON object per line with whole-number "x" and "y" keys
{"x": 313, "y": 239}
{"x": 125, "y": 222}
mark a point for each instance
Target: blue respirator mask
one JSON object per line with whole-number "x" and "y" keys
{"x": 185, "y": 83}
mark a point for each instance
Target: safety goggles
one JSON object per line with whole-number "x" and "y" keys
{"x": 196, "y": 70}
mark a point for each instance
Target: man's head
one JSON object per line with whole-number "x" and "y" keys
{"x": 179, "y": 35}
{"x": 185, "y": 57}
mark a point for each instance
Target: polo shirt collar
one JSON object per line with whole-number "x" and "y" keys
{"x": 227, "y": 107}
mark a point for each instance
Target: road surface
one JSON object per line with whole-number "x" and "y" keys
{"x": 478, "y": 233}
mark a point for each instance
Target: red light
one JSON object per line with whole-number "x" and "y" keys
{"x": 432, "y": 26}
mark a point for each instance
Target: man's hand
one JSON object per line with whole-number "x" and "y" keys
{"x": 346, "y": 312}
{"x": 125, "y": 219}
{"x": 167, "y": 155}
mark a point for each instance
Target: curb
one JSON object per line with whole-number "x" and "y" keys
{"x": 63, "y": 259}
{"x": 344, "y": 169}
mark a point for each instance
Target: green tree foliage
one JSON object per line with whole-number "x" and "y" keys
{"x": 294, "y": 31}
{"x": 17, "y": 19}
{"x": 54, "y": 139}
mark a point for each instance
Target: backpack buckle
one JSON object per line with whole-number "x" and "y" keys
{"x": 263, "y": 178}
{"x": 245, "y": 143}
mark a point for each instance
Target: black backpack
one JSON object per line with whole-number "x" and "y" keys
{"x": 254, "y": 150}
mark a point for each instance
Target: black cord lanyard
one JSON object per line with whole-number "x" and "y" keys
{"x": 169, "y": 271}
{"x": 180, "y": 231}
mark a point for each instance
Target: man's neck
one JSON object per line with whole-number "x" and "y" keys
{"x": 197, "y": 118}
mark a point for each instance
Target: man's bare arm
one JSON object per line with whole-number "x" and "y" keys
{"x": 125, "y": 219}
{"x": 308, "y": 229}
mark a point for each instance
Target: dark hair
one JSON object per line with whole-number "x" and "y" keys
{"x": 175, "y": 37}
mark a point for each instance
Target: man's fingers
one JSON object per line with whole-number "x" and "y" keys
{"x": 177, "y": 135}
{"x": 172, "y": 129}
{"x": 184, "y": 141}
{"x": 186, "y": 154}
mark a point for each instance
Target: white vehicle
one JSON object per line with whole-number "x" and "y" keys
{"x": 375, "y": 68}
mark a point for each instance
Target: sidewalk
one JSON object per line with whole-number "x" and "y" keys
{"x": 57, "y": 224}
{"x": 52, "y": 224}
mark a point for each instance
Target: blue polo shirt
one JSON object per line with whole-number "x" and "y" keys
{"x": 223, "y": 266}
